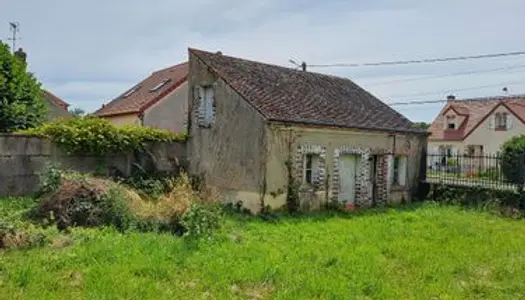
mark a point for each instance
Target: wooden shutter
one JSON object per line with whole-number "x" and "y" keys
{"x": 389, "y": 172}
{"x": 492, "y": 122}
{"x": 509, "y": 121}
{"x": 403, "y": 166}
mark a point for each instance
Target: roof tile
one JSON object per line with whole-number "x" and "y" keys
{"x": 144, "y": 96}
{"x": 287, "y": 95}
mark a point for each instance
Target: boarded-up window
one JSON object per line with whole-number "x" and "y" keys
{"x": 206, "y": 106}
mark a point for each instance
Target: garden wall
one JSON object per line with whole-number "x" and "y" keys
{"x": 24, "y": 157}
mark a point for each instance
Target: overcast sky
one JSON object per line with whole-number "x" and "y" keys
{"x": 88, "y": 52}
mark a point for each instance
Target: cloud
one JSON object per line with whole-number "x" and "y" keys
{"x": 90, "y": 51}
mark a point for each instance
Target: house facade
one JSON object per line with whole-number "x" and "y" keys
{"x": 256, "y": 128}
{"x": 158, "y": 101}
{"x": 57, "y": 108}
{"x": 476, "y": 127}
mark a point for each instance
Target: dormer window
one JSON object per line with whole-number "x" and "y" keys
{"x": 451, "y": 122}
{"x": 501, "y": 121}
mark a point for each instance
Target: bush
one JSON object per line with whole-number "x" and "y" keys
{"x": 502, "y": 201}
{"x": 201, "y": 220}
{"x": 72, "y": 199}
{"x": 513, "y": 159}
{"x": 96, "y": 136}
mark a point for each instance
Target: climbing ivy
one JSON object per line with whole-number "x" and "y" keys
{"x": 96, "y": 136}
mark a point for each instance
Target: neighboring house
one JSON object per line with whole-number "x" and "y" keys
{"x": 476, "y": 127}
{"x": 58, "y": 108}
{"x": 159, "y": 101}
{"x": 252, "y": 122}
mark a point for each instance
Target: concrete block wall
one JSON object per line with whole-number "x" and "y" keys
{"x": 23, "y": 158}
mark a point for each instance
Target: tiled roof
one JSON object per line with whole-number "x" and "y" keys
{"x": 476, "y": 111}
{"x": 143, "y": 96}
{"x": 50, "y": 97}
{"x": 285, "y": 95}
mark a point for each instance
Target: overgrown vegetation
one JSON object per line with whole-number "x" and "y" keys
{"x": 69, "y": 199}
{"x": 427, "y": 251}
{"x": 97, "y": 136}
{"x": 505, "y": 202}
{"x": 21, "y": 100}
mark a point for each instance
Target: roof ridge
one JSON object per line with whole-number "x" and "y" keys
{"x": 194, "y": 50}
{"x": 170, "y": 67}
{"x": 489, "y": 98}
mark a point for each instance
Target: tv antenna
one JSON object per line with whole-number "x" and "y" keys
{"x": 301, "y": 66}
{"x": 14, "y": 27}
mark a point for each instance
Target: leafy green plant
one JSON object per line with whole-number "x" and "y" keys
{"x": 96, "y": 136}
{"x": 201, "y": 220}
{"x": 21, "y": 99}
{"x": 513, "y": 159}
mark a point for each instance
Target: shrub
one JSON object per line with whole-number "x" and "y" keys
{"x": 201, "y": 220}
{"x": 96, "y": 136}
{"x": 513, "y": 159}
{"x": 72, "y": 199}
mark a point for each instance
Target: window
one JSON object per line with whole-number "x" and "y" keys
{"x": 206, "y": 106}
{"x": 451, "y": 122}
{"x": 501, "y": 121}
{"x": 130, "y": 92}
{"x": 311, "y": 165}
{"x": 160, "y": 85}
{"x": 399, "y": 171}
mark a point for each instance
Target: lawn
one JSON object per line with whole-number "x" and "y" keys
{"x": 418, "y": 252}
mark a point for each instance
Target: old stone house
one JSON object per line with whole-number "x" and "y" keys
{"x": 57, "y": 108}
{"x": 253, "y": 126}
{"x": 159, "y": 101}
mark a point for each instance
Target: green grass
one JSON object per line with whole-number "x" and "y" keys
{"x": 419, "y": 252}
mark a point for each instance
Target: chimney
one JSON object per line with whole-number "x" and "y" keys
{"x": 21, "y": 54}
{"x": 218, "y": 53}
{"x": 303, "y": 66}
{"x": 451, "y": 97}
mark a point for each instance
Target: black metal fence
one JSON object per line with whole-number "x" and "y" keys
{"x": 488, "y": 171}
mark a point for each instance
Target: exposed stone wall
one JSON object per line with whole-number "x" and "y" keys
{"x": 23, "y": 158}
{"x": 230, "y": 154}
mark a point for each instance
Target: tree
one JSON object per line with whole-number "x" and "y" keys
{"x": 21, "y": 102}
{"x": 421, "y": 125}
{"x": 77, "y": 112}
{"x": 513, "y": 159}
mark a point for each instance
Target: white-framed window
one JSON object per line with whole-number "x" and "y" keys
{"x": 311, "y": 164}
{"x": 451, "y": 122}
{"x": 206, "y": 106}
{"x": 131, "y": 91}
{"x": 399, "y": 171}
{"x": 160, "y": 85}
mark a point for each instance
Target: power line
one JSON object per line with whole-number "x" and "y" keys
{"x": 459, "y": 90}
{"x": 421, "y": 102}
{"x": 446, "y": 75}
{"x": 417, "y": 61}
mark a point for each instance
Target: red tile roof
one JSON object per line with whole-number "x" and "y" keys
{"x": 290, "y": 96}
{"x": 475, "y": 111}
{"x": 50, "y": 97}
{"x": 144, "y": 94}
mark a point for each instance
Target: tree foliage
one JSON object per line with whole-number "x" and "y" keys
{"x": 513, "y": 159}
{"x": 96, "y": 136}
{"x": 21, "y": 100}
{"x": 421, "y": 125}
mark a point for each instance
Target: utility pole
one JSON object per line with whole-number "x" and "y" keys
{"x": 14, "y": 27}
